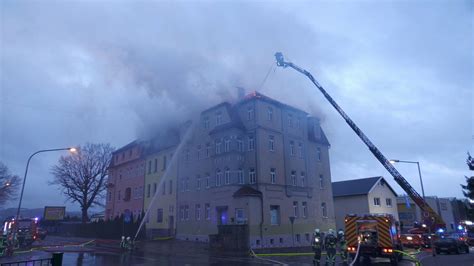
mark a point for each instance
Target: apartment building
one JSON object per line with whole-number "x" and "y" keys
{"x": 126, "y": 181}
{"x": 258, "y": 162}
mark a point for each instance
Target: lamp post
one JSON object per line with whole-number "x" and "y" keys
{"x": 71, "y": 149}
{"x": 419, "y": 173}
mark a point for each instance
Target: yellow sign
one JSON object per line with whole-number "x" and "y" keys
{"x": 54, "y": 213}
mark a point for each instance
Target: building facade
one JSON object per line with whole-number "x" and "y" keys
{"x": 449, "y": 209}
{"x": 125, "y": 182}
{"x": 160, "y": 190}
{"x": 363, "y": 196}
{"x": 257, "y": 162}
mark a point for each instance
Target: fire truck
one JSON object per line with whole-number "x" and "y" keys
{"x": 18, "y": 234}
{"x": 378, "y": 235}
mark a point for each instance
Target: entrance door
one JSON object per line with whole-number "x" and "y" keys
{"x": 222, "y": 216}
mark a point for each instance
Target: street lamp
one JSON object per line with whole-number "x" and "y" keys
{"x": 70, "y": 149}
{"x": 419, "y": 172}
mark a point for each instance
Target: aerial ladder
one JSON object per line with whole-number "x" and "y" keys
{"x": 431, "y": 218}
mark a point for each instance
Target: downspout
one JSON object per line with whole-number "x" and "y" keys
{"x": 257, "y": 165}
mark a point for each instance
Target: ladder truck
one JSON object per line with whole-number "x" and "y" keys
{"x": 431, "y": 218}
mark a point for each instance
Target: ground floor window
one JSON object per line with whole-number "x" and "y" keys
{"x": 274, "y": 214}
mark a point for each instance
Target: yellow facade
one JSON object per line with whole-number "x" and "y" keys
{"x": 160, "y": 193}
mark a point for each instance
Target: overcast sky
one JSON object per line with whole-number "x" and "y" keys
{"x": 112, "y": 71}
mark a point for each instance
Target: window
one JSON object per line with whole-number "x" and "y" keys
{"x": 218, "y": 118}
{"x": 208, "y": 150}
{"x": 163, "y": 192}
{"x": 388, "y": 202}
{"x": 198, "y": 183}
{"x": 208, "y": 211}
{"x": 227, "y": 145}
{"x": 298, "y": 238}
{"x": 271, "y": 143}
{"x": 208, "y": 181}
{"x": 290, "y": 120}
{"x": 377, "y": 201}
{"x": 305, "y": 209}
{"x": 443, "y": 206}
{"x": 170, "y": 187}
{"x": 198, "y": 153}
{"x": 298, "y": 122}
{"x": 156, "y": 165}
{"x": 119, "y": 195}
{"x": 321, "y": 181}
{"x": 324, "y": 210}
{"x": 218, "y": 147}
{"x": 181, "y": 213}
{"x": 186, "y": 212}
{"x": 270, "y": 114}
{"x": 272, "y": 176}
{"x": 292, "y": 148}
{"x": 240, "y": 145}
{"x": 306, "y": 236}
{"x": 164, "y": 162}
{"x": 274, "y": 214}
{"x": 240, "y": 176}
{"x": 252, "y": 176}
{"x": 227, "y": 176}
{"x": 318, "y": 153}
{"x": 148, "y": 190}
{"x": 128, "y": 194}
{"x": 300, "y": 150}
{"x": 239, "y": 216}
{"x": 186, "y": 155}
{"x": 295, "y": 208}
{"x": 187, "y": 184}
{"x": 198, "y": 212}
{"x": 271, "y": 241}
{"x": 159, "y": 216}
{"x": 218, "y": 178}
{"x": 206, "y": 122}
{"x": 149, "y": 167}
{"x": 110, "y": 196}
{"x": 293, "y": 178}
{"x": 249, "y": 113}
{"x": 154, "y": 188}
{"x": 303, "y": 179}
{"x": 251, "y": 143}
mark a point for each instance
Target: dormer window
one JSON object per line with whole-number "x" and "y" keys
{"x": 206, "y": 122}
{"x": 250, "y": 113}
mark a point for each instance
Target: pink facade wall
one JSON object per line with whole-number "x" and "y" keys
{"x": 126, "y": 182}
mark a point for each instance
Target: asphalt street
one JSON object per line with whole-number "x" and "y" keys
{"x": 174, "y": 252}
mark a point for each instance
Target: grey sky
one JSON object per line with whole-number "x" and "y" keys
{"x": 114, "y": 71}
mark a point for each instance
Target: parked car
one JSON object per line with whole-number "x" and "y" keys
{"x": 470, "y": 239}
{"x": 412, "y": 240}
{"x": 451, "y": 244}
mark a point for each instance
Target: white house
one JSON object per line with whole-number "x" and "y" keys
{"x": 362, "y": 196}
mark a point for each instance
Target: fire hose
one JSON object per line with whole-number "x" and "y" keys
{"x": 357, "y": 252}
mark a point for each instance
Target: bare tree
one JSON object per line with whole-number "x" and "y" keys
{"x": 82, "y": 176}
{"x": 8, "y": 184}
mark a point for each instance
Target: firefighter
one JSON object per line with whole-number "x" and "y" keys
{"x": 342, "y": 247}
{"x": 330, "y": 243}
{"x": 317, "y": 247}
{"x": 122, "y": 243}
